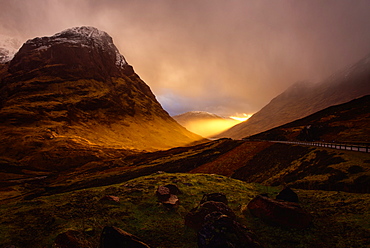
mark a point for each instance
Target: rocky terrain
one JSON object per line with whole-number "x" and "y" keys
{"x": 303, "y": 99}
{"x": 79, "y": 217}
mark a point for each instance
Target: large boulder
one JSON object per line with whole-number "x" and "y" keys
{"x": 174, "y": 190}
{"x": 287, "y": 194}
{"x": 195, "y": 218}
{"x": 277, "y": 212}
{"x": 114, "y": 237}
{"x": 71, "y": 239}
{"x": 163, "y": 193}
{"x": 217, "y": 197}
{"x": 222, "y": 231}
{"x": 110, "y": 199}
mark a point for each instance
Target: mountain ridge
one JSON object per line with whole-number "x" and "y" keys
{"x": 71, "y": 89}
{"x": 300, "y": 100}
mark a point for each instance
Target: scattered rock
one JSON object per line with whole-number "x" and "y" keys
{"x": 222, "y": 231}
{"x": 174, "y": 190}
{"x": 171, "y": 202}
{"x": 283, "y": 213}
{"x": 114, "y": 237}
{"x": 71, "y": 239}
{"x": 217, "y": 197}
{"x": 110, "y": 198}
{"x": 287, "y": 194}
{"x": 168, "y": 195}
{"x": 163, "y": 193}
{"x": 195, "y": 218}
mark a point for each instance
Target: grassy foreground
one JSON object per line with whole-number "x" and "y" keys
{"x": 341, "y": 219}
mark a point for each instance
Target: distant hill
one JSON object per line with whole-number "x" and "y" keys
{"x": 302, "y": 99}
{"x": 347, "y": 122}
{"x": 204, "y": 123}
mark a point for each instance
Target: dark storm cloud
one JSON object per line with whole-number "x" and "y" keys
{"x": 224, "y": 57}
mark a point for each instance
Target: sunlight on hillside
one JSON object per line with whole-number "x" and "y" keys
{"x": 209, "y": 128}
{"x": 244, "y": 117}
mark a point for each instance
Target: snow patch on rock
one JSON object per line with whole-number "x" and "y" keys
{"x": 9, "y": 46}
{"x": 81, "y": 37}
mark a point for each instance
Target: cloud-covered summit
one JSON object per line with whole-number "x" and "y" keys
{"x": 222, "y": 57}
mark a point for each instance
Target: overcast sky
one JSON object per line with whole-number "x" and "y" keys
{"x": 223, "y": 56}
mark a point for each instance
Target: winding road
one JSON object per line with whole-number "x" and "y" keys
{"x": 348, "y": 147}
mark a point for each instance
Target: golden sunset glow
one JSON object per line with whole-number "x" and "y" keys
{"x": 244, "y": 117}
{"x": 209, "y": 128}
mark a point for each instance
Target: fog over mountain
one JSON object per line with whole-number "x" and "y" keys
{"x": 303, "y": 99}
{"x": 204, "y": 123}
{"x": 224, "y": 57}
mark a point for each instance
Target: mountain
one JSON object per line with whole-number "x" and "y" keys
{"x": 204, "y": 123}
{"x": 8, "y": 47}
{"x": 302, "y": 99}
{"x": 347, "y": 122}
{"x": 75, "y": 90}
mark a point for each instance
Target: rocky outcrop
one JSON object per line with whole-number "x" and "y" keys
{"x": 80, "y": 52}
{"x": 216, "y": 224}
{"x": 71, "y": 239}
{"x": 217, "y": 197}
{"x": 195, "y": 218}
{"x": 167, "y": 195}
{"x": 222, "y": 231}
{"x": 287, "y": 194}
{"x": 114, "y": 237}
{"x": 281, "y": 213}
{"x": 109, "y": 199}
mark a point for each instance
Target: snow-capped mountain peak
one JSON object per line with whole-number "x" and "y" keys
{"x": 8, "y": 48}
{"x": 79, "y": 52}
{"x": 81, "y": 36}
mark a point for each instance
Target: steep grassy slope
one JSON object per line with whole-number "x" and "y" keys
{"x": 340, "y": 218}
{"x": 262, "y": 162}
{"x": 302, "y": 99}
{"x": 308, "y": 168}
{"x": 347, "y": 122}
{"x": 98, "y": 167}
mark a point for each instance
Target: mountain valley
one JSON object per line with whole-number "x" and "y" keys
{"x": 84, "y": 145}
{"x": 204, "y": 123}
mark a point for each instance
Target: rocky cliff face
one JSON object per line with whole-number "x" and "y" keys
{"x": 303, "y": 99}
{"x": 75, "y": 86}
{"x": 81, "y": 52}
